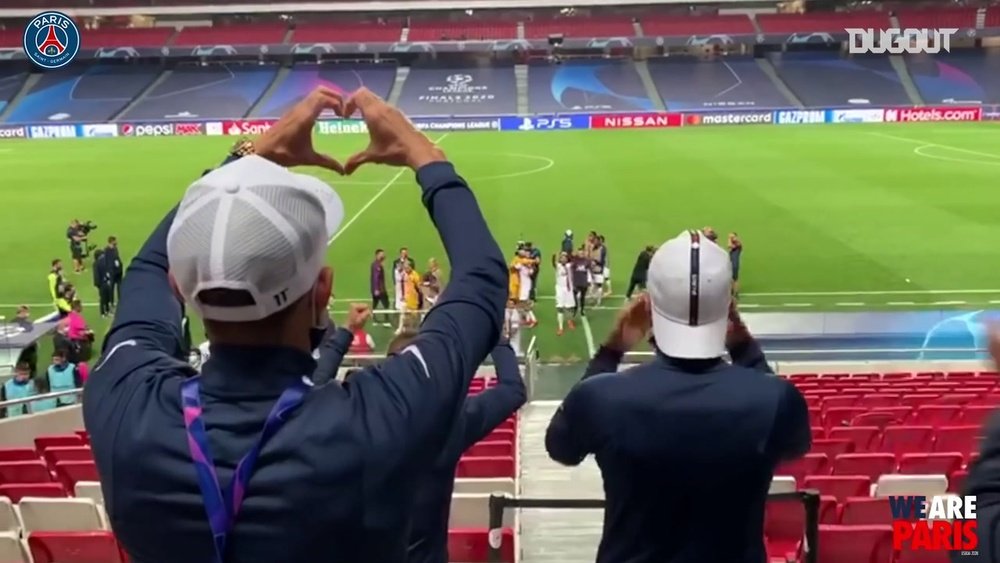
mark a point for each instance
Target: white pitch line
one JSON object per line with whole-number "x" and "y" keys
{"x": 887, "y": 292}
{"x": 591, "y": 349}
{"x": 903, "y": 303}
{"x": 374, "y": 198}
{"x": 796, "y": 304}
{"x": 948, "y": 303}
{"x": 919, "y": 142}
{"x": 994, "y": 301}
{"x": 850, "y": 304}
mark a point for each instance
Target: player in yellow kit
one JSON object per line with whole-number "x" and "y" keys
{"x": 411, "y": 298}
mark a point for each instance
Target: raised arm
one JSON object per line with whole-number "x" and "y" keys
{"x": 419, "y": 391}
{"x": 486, "y": 410}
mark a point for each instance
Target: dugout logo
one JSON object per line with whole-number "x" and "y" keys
{"x": 51, "y": 40}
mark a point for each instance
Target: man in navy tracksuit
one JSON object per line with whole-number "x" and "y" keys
{"x": 483, "y": 412}
{"x": 687, "y": 443}
{"x": 330, "y": 478}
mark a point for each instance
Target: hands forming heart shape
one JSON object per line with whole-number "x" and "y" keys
{"x": 394, "y": 140}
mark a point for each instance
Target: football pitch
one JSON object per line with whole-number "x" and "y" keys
{"x": 833, "y": 218}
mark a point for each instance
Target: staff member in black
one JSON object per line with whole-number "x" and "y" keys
{"x": 581, "y": 281}
{"x": 114, "y": 261}
{"x": 103, "y": 282}
{"x": 77, "y": 238}
{"x": 638, "y": 280}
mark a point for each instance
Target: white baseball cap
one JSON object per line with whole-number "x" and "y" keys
{"x": 690, "y": 288}
{"x": 252, "y": 226}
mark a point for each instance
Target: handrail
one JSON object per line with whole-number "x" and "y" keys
{"x": 33, "y": 398}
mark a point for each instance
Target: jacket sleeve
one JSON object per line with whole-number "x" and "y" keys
{"x": 791, "y": 436}
{"x": 411, "y": 400}
{"x": 331, "y": 354}
{"x": 749, "y": 354}
{"x": 565, "y": 439}
{"x": 485, "y": 411}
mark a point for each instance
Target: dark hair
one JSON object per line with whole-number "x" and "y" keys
{"x": 377, "y": 250}
{"x": 58, "y": 353}
{"x": 56, "y": 261}
{"x": 401, "y": 341}
{"x": 112, "y": 240}
{"x": 23, "y": 366}
{"x": 402, "y": 248}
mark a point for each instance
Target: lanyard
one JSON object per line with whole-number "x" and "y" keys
{"x": 222, "y": 505}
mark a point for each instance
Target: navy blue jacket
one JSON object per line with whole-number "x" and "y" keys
{"x": 483, "y": 412}
{"x": 687, "y": 449}
{"x": 335, "y": 484}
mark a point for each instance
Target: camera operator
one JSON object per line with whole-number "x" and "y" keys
{"x": 77, "y": 234}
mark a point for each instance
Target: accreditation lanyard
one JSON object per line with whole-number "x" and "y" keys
{"x": 223, "y": 504}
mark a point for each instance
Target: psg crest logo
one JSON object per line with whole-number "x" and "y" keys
{"x": 51, "y": 40}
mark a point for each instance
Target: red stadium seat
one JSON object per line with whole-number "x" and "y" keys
{"x": 877, "y": 400}
{"x": 956, "y": 439}
{"x": 831, "y": 447}
{"x": 471, "y": 545}
{"x": 16, "y": 491}
{"x": 75, "y": 547}
{"x": 866, "y": 511}
{"x": 491, "y": 449}
{"x": 58, "y": 441}
{"x": 839, "y": 401}
{"x": 71, "y": 472}
{"x": 841, "y": 416}
{"x": 955, "y": 399}
{"x": 976, "y": 415}
{"x": 840, "y": 486}
{"x": 509, "y": 424}
{"x": 930, "y": 464}
{"x": 785, "y": 521}
{"x": 897, "y": 375}
{"x": 870, "y": 465}
{"x": 78, "y": 453}
{"x": 907, "y": 439}
{"x": 18, "y": 454}
{"x": 810, "y": 464}
{"x": 956, "y": 479}
{"x": 917, "y": 399}
{"x": 878, "y": 419}
{"x": 499, "y": 435}
{"x": 475, "y": 467}
{"x": 24, "y": 472}
{"x": 862, "y": 437}
{"x": 855, "y": 544}
{"x": 936, "y": 415}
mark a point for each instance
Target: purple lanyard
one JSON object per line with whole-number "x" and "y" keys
{"x": 222, "y": 505}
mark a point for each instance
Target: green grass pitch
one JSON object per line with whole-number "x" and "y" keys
{"x": 850, "y": 217}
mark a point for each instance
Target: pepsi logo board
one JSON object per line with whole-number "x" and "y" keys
{"x": 51, "y": 40}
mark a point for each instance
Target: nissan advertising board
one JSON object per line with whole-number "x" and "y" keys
{"x": 635, "y": 120}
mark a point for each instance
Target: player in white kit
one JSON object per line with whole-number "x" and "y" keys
{"x": 512, "y": 326}
{"x": 565, "y": 300}
{"x": 525, "y": 268}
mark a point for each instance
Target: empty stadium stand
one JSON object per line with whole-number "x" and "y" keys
{"x": 828, "y": 80}
{"x": 459, "y": 91}
{"x": 10, "y": 84}
{"x": 80, "y": 93}
{"x": 731, "y": 82}
{"x": 128, "y": 37}
{"x": 218, "y": 91}
{"x": 345, "y": 32}
{"x": 303, "y": 78}
{"x": 603, "y": 26}
{"x": 993, "y": 16}
{"x": 696, "y": 25}
{"x": 461, "y": 30}
{"x": 821, "y": 21}
{"x": 231, "y": 35}
{"x": 960, "y": 76}
{"x": 937, "y": 18}
{"x": 597, "y": 85}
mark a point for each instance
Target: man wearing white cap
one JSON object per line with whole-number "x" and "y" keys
{"x": 250, "y": 461}
{"x": 687, "y": 443}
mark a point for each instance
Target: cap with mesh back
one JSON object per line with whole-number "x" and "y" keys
{"x": 690, "y": 288}
{"x": 251, "y": 226}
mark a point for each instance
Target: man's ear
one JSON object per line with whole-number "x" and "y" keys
{"x": 173, "y": 286}
{"x": 323, "y": 289}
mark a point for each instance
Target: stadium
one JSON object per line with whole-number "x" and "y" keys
{"x": 860, "y": 184}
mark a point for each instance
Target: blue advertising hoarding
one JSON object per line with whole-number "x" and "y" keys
{"x": 544, "y": 122}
